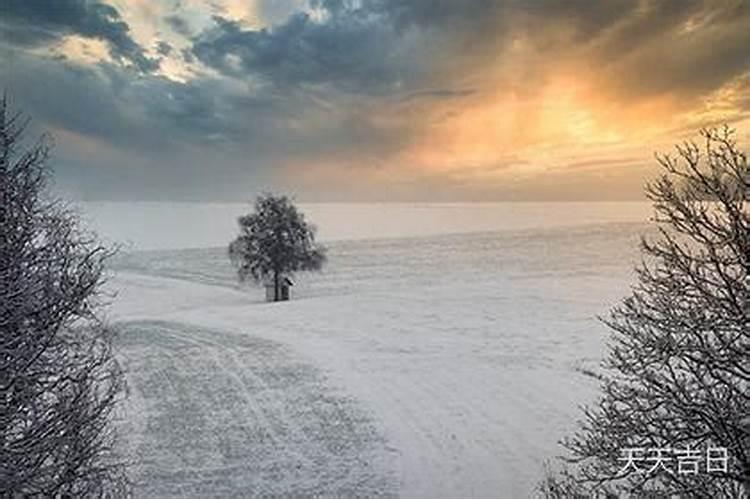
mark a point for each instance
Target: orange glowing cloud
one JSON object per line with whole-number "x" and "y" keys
{"x": 413, "y": 100}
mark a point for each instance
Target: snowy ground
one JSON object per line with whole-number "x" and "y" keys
{"x": 443, "y": 365}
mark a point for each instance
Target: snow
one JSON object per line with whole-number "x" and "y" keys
{"x": 174, "y": 225}
{"x": 443, "y": 365}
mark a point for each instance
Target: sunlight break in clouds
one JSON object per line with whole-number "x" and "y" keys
{"x": 377, "y": 100}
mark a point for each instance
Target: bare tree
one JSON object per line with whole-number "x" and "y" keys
{"x": 275, "y": 241}
{"x": 677, "y": 374}
{"x": 59, "y": 380}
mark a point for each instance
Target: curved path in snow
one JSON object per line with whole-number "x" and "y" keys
{"x": 439, "y": 367}
{"x": 212, "y": 414}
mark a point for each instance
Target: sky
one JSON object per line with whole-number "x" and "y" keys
{"x": 382, "y": 100}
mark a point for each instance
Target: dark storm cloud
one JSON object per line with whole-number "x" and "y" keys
{"x": 440, "y": 94}
{"x": 353, "y": 53}
{"x": 187, "y": 55}
{"x": 643, "y": 48}
{"x": 153, "y": 115}
{"x": 162, "y": 139}
{"x": 314, "y": 85}
{"x": 372, "y": 48}
{"x": 38, "y": 22}
{"x": 163, "y": 48}
{"x": 179, "y": 25}
{"x": 383, "y": 46}
{"x": 117, "y": 105}
{"x": 147, "y": 136}
{"x": 681, "y": 48}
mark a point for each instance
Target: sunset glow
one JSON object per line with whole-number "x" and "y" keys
{"x": 377, "y": 100}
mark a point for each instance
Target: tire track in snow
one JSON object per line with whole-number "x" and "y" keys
{"x": 472, "y": 337}
{"x": 218, "y": 414}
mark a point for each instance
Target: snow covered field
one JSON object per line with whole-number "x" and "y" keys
{"x": 436, "y": 365}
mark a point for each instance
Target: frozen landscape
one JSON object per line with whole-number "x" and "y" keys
{"x": 156, "y": 157}
{"x": 443, "y": 351}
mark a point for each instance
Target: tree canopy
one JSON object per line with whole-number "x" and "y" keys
{"x": 675, "y": 384}
{"x": 59, "y": 380}
{"x": 275, "y": 241}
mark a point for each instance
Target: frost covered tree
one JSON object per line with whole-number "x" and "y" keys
{"x": 59, "y": 381}
{"x": 274, "y": 242}
{"x": 677, "y": 373}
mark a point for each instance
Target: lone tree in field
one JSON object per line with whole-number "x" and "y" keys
{"x": 678, "y": 370}
{"x": 274, "y": 242}
{"x": 59, "y": 380}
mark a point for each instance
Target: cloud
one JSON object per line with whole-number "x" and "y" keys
{"x": 440, "y": 94}
{"x": 33, "y": 23}
{"x": 273, "y": 12}
{"x": 684, "y": 50}
{"x": 113, "y": 104}
{"x": 157, "y": 129}
{"x": 350, "y": 53}
{"x": 382, "y": 92}
{"x": 388, "y": 46}
{"x": 163, "y": 48}
{"x": 178, "y": 25}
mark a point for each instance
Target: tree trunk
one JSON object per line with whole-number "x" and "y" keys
{"x": 275, "y": 286}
